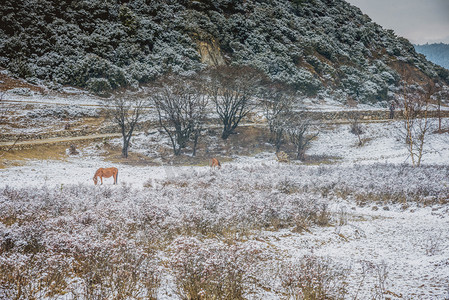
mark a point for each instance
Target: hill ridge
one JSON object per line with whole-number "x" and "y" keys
{"x": 437, "y": 53}
{"x": 320, "y": 47}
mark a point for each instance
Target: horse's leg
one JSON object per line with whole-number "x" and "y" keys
{"x": 101, "y": 178}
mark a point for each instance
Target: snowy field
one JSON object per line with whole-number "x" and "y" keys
{"x": 365, "y": 225}
{"x": 382, "y": 144}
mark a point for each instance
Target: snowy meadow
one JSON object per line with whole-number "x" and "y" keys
{"x": 359, "y": 227}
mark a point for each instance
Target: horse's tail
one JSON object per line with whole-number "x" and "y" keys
{"x": 116, "y": 177}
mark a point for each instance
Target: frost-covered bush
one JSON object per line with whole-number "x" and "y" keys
{"x": 379, "y": 182}
{"x": 32, "y": 276}
{"x": 48, "y": 237}
{"x": 93, "y": 70}
{"x": 211, "y": 270}
{"x": 312, "y": 277}
{"x": 117, "y": 241}
{"x": 107, "y": 238}
{"x": 115, "y": 268}
{"x": 237, "y": 207}
{"x": 61, "y": 112}
{"x": 99, "y": 86}
{"x": 21, "y": 91}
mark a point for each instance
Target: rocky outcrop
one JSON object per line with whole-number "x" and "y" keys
{"x": 210, "y": 53}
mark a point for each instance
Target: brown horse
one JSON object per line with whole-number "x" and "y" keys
{"x": 215, "y": 163}
{"x": 106, "y": 172}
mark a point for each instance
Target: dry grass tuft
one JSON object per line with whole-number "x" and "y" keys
{"x": 282, "y": 157}
{"x": 314, "y": 278}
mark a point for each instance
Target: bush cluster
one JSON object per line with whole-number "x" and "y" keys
{"x": 117, "y": 241}
{"x": 90, "y": 241}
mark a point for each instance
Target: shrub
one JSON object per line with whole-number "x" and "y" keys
{"x": 210, "y": 270}
{"x": 282, "y": 157}
{"x": 97, "y": 73}
{"x": 314, "y": 278}
{"x": 117, "y": 269}
{"x": 99, "y": 86}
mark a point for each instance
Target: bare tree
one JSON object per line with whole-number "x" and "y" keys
{"x": 198, "y": 120}
{"x": 181, "y": 108}
{"x": 3, "y": 108}
{"x": 198, "y": 112}
{"x": 232, "y": 89}
{"x": 4, "y": 111}
{"x": 443, "y": 93}
{"x": 300, "y": 134}
{"x": 415, "y": 103}
{"x": 126, "y": 112}
{"x": 356, "y": 127}
{"x": 278, "y": 107}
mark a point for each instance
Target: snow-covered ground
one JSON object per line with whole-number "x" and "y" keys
{"x": 383, "y": 142}
{"x": 412, "y": 245}
{"x": 67, "y": 96}
{"x": 389, "y": 248}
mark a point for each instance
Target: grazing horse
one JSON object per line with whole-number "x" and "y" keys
{"x": 106, "y": 172}
{"x": 215, "y": 163}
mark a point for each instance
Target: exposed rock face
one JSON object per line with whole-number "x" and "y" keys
{"x": 210, "y": 53}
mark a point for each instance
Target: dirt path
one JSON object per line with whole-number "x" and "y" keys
{"x": 49, "y": 103}
{"x": 56, "y": 103}
{"x": 19, "y": 144}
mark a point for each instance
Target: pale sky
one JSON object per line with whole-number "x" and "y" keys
{"x": 419, "y": 21}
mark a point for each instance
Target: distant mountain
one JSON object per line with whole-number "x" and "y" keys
{"x": 436, "y": 53}
{"x": 320, "y": 47}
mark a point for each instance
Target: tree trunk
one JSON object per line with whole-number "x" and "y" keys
{"x": 125, "y": 144}
{"x": 301, "y": 154}
{"x": 195, "y": 142}
{"x": 300, "y": 149}
{"x": 176, "y": 149}
{"x": 278, "y": 139}
{"x": 227, "y": 130}
{"x": 125, "y": 149}
{"x": 225, "y": 134}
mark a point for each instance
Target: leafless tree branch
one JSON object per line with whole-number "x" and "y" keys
{"x": 126, "y": 112}
{"x": 181, "y": 107}
{"x": 232, "y": 90}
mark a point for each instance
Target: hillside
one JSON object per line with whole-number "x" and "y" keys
{"x": 320, "y": 47}
{"x": 436, "y": 53}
